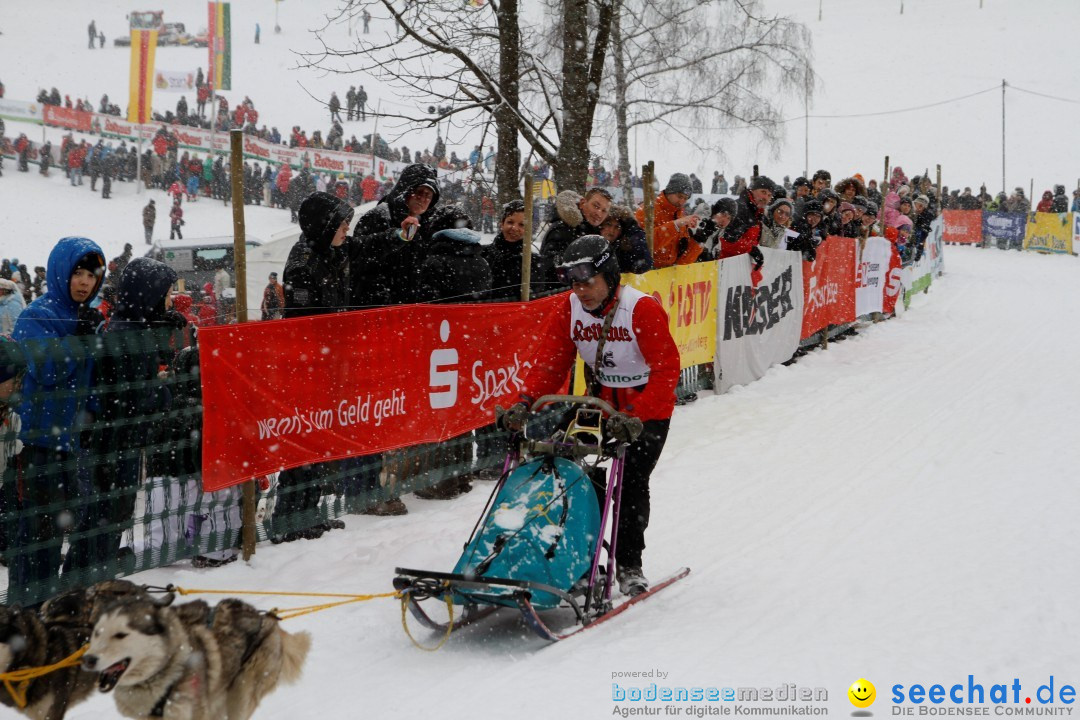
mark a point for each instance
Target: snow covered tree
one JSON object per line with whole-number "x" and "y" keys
{"x": 475, "y": 64}
{"x": 703, "y": 62}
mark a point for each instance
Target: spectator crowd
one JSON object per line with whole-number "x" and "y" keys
{"x": 419, "y": 244}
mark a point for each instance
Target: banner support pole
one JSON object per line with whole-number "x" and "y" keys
{"x": 527, "y": 239}
{"x": 236, "y": 173}
{"x": 647, "y": 195}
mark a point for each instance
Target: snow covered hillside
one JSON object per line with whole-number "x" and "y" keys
{"x": 900, "y": 507}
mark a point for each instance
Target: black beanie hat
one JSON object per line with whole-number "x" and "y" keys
{"x": 320, "y": 215}
{"x": 762, "y": 183}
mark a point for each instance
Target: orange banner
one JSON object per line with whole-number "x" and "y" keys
{"x": 291, "y": 392}
{"x": 963, "y": 226}
{"x": 141, "y": 81}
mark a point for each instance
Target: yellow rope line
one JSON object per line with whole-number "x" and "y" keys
{"x": 202, "y": 591}
{"x": 285, "y": 614}
{"x": 405, "y": 600}
{"x": 24, "y": 676}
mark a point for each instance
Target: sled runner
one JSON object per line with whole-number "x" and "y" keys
{"x": 546, "y": 538}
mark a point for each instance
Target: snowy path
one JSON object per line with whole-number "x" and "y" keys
{"x": 899, "y": 507}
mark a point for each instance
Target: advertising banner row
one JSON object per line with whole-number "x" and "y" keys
{"x": 369, "y": 381}
{"x": 1041, "y": 232}
{"x": 198, "y": 140}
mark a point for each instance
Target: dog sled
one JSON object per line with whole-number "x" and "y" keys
{"x": 545, "y": 541}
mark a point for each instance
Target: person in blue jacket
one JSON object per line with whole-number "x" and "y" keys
{"x": 55, "y": 391}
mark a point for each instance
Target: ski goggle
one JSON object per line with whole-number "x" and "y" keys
{"x": 578, "y": 273}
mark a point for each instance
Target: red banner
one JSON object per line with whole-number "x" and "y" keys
{"x": 829, "y": 286}
{"x": 963, "y": 226}
{"x": 290, "y": 392}
{"x": 67, "y": 118}
{"x": 893, "y": 281}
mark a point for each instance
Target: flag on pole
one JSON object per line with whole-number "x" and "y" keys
{"x": 219, "y": 45}
{"x": 141, "y": 84}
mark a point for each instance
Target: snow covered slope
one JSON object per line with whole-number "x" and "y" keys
{"x": 900, "y": 507}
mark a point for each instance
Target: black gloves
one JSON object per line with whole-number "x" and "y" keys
{"x": 512, "y": 418}
{"x": 89, "y": 319}
{"x": 174, "y": 319}
{"x": 623, "y": 428}
{"x": 758, "y": 258}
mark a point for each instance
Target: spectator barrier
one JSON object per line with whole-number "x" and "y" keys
{"x": 337, "y": 162}
{"x": 373, "y": 404}
{"x": 1056, "y": 233}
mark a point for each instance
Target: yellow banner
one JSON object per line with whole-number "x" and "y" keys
{"x": 688, "y": 294}
{"x": 141, "y": 80}
{"x": 1049, "y": 232}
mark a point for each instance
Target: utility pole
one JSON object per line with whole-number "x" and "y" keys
{"x": 1003, "y": 85}
{"x": 819, "y": 10}
{"x": 806, "y": 129}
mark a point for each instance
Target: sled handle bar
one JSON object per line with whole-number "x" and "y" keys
{"x": 575, "y": 399}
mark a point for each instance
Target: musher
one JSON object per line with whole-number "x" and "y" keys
{"x": 637, "y": 375}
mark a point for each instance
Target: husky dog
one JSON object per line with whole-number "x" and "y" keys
{"x": 61, "y": 627}
{"x": 191, "y": 661}
{"x": 26, "y": 641}
{"x": 80, "y": 608}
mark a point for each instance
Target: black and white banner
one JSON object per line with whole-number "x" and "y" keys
{"x": 758, "y": 327}
{"x": 872, "y": 259}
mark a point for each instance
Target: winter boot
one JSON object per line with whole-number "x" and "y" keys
{"x": 393, "y": 506}
{"x": 631, "y": 581}
{"x": 442, "y": 490}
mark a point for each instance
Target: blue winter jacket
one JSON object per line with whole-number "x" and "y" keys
{"x": 54, "y": 315}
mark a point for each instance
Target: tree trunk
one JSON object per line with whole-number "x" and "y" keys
{"x": 582, "y": 72}
{"x": 572, "y": 164}
{"x": 621, "y": 123}
{"x": 508, "y": 158}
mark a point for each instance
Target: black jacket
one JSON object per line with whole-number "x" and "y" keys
{"x": 318, "y": 277}
{"x": 389, "y": 272}
{"x": 504, "y": 260}
{"x": 454, "y": 271}
{"x": 132, "y": 400}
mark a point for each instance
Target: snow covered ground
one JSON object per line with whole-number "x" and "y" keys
{"x": 900, "y": 507}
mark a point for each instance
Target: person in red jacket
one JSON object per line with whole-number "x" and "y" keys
{"x": 1046, "y": 204}
{"x": 369, "y": 186}
{"x": 636, "y": 373}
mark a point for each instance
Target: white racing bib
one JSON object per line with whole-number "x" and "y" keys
{"x": 623, "y": 364}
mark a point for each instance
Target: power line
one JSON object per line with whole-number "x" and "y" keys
{"x": 862, "y": 115}
{"x": 1051, "y": 97}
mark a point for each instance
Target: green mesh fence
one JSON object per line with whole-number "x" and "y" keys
{"x": 126, "y": 495}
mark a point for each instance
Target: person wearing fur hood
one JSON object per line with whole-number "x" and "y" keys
{"x": 11, "y": 304}
{"x": 624, "y": 233}
{"x": 776, "y": 224}
{"x": 574, "y": 216}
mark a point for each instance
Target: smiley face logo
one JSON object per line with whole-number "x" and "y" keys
{"x": 862, "y": 693}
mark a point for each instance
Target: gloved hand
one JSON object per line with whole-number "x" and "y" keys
{"x": 758, "y": 258}
{"x": 512, "y": 418}
{"x": 174, "y": 319}
{"x": 89, "y": 319}
{"x": 623, "y": 428}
